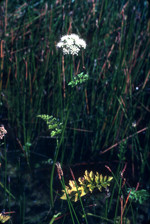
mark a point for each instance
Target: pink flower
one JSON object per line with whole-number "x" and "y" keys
{"x": 3, "y": 132}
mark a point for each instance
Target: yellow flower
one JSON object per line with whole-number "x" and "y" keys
{"x": 87, "y": 184}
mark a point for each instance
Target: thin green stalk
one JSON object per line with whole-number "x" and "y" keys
{"x": 52, "y": 173}
{"x": 118, "y": 201}
{"x": 114, "y": 188}
{"x": 71, "y": 208}
{"x": 98, "y": 216}
{"x": 58, "y": 144}
{"x": 84, "y": 214}
{"x": 7, "y": 191}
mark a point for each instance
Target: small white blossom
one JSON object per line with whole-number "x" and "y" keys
{"x": 134, "y": 124}
{"x": 59, "y": 44}
{"x": 71, "y": 44}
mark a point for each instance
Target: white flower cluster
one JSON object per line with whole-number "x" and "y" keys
{"x": 71, "y": 44}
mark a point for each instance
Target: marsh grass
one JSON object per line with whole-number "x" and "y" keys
{"x": 106, "y": 118}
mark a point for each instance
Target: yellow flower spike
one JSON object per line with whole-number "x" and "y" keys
{"x": 91, "y": 175}
{"x": 87, "y": 184}
{"x": 4, "y": 218}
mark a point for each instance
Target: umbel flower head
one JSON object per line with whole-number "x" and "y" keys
{"x": 71, "y": 44}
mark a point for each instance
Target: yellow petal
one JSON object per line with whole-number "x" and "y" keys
{"x": 63, "y": 197}
{"x": 110, "y": 178}
{"x": 100, "y": 188}
{"x": 81, "y": 180}
{"x": 101, "y": 178}
{"x": 71, "y": 183}
{"x": 91, "y": 175}
{"x": 86, "y": 173}
{"x": 76, "y": 197}
{"x": 97, "y": 177}
{"x": 86, "y": 176}
{"x": 105, "y": 178}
